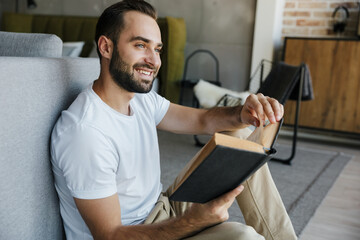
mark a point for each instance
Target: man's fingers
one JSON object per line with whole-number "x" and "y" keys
{"x": 259, "y": 107}
{"x": 268, "y": 110}
{"x": 277, "y": 109}
{"x": 216, "y": 210}
{"x": 229, "y": 197}
{"x": 235, "y": 192}
{"x": 238, "y": 190}
{"x": 255, "y": 105}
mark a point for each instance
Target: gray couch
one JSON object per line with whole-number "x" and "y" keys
{"x": 33, "y": 92}
{"x": 30, "y": 45}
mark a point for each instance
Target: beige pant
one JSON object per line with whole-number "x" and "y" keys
{"x": 259, "y": 202}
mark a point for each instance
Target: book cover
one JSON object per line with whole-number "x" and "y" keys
{"x": 223, "y": 164}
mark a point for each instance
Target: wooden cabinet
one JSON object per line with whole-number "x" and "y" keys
{"x": 335, "y": 70}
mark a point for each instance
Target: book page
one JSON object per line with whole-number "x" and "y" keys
{"x": 257, "y": 135}
{"x": 233, "y": 142}
{"x": 265, "y": 135}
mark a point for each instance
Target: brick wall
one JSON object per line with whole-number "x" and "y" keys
{"x": 313, "y": 18}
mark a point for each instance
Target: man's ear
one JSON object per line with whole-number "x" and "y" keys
{"x": 106, "y": 47}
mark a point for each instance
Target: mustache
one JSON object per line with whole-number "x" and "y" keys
{"x": 144, "y": 65}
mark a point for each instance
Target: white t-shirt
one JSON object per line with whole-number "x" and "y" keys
{"x": 97, "y": 152}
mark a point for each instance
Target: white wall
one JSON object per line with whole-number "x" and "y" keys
{"x": 224, "y": 27}
{"x": 63, "y": 7}
{"x": 267, "y": 32}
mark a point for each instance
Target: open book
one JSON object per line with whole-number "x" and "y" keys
{"x": 223, "y": 164}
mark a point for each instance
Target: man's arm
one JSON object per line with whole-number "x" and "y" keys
{"x": 186, "y": 120}
{"x": 103, "y": 218}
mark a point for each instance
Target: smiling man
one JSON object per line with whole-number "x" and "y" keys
{"x": 105, "y": 151}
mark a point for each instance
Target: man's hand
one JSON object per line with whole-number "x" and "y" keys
{"x": 102, "y": 216}
{"x": 185, "y": 120}
{"x": 259, "y": 106}
{"x": 213, "y": 212}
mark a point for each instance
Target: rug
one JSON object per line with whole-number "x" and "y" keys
{"x": 302, "y": 186}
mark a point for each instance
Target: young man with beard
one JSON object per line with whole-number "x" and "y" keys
{"x": 105, "y": 152}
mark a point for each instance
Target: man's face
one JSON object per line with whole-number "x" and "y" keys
{"x": 135, "y": 60}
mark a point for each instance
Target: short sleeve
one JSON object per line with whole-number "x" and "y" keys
{"x": 161, "y": 106}
{"x": 88, "y": 161}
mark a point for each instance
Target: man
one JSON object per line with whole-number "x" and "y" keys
{"x": 105, "y": 153}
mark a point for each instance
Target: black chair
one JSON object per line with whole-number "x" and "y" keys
{"x": 287, "y": 82}
{"x": 282, "y": 82}
{"x": 187, "y": 83}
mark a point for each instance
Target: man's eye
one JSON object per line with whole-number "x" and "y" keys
{"x": 140, "y": 45}
{"x": 159, "y": 50}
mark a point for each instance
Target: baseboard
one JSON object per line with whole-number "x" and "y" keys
{"x": 321, "y": 136}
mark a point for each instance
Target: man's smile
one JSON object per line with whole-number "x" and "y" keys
{"x": 144, "y": 72}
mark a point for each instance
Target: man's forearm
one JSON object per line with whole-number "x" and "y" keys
{"x": 186, "y": 120}
{"x": 223, "y": 119}
{"x": 175, "y": 228}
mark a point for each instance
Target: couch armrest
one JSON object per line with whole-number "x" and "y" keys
{"x": 30, "y": 45}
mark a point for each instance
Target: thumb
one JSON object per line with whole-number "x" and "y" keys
{"x": 230, "y": 196}
{"x": 254, "y": 121}
{"x": 249, "y": 116}
{"x": 238, "y": 190}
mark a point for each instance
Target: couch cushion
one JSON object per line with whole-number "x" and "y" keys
{"x": 30, "y": 45}
{"x": 33, "y": 93}
{"x": 72, "y": 49}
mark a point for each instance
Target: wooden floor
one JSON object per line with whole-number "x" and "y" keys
{"x": 338, "y": 216}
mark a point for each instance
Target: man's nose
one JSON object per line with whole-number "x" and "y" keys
{"x": 153, "y": 58}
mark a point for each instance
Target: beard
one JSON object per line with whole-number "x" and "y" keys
{"x": 123, "y": 75}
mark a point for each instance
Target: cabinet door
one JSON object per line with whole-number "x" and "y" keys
{"x": 335, "y": 70}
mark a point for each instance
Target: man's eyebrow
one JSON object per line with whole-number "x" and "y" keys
{"x": 137, "y": 38}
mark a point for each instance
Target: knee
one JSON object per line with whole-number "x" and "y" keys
{"x": 238, "y": 231}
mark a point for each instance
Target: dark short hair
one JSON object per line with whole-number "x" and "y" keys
{"x": 111, "y": 21}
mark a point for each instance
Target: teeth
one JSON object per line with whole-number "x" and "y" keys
{"x": 144, "y": 72}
